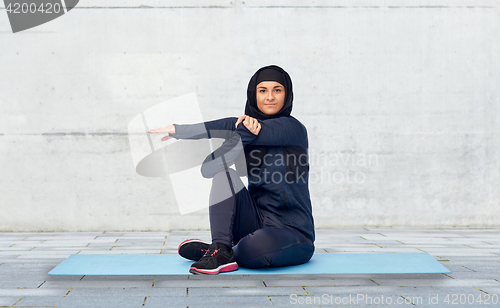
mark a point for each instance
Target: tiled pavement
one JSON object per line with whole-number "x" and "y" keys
{"x": 472, "y": 255}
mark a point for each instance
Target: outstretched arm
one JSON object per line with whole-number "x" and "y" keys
{"x": 221, "y": 128}
{"x": 225, "y": 128}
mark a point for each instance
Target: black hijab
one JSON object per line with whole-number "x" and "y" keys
{"x": 269, "y": 73}
{"x": 297, "y": 167}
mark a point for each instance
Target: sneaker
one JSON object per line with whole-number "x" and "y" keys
{"x": 216, "y": 260}
{"x": 193, "y": 249}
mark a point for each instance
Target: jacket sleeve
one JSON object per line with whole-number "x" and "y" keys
{"x": 221, "y": 128}
{"x": 281, "y": 131}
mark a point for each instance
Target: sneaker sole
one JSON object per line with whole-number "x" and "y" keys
{"x": 223, "y": 268}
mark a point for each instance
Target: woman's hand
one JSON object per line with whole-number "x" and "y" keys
{"x": 250, "y": 123}
{"x": 240, "y": 119}
{"x": 170, "y": 129}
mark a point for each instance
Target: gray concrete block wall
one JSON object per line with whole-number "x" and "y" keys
{"x": 400, "y": 99}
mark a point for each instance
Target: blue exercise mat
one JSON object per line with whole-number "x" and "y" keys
{"x": 323, "y": 263}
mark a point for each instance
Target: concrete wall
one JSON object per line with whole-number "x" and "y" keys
{"x": 400, "y": 99}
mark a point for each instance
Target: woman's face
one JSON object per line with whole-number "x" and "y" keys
{"x": 270, "y": 97}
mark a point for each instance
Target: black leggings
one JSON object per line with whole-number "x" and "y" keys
{"x": 260, "y": 239}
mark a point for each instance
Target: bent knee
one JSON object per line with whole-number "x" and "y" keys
{"x": 270, "y": 247}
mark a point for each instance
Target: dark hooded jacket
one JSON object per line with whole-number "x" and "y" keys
{"x": 276, "y": 160}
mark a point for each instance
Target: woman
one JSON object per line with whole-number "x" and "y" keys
{"x": 271, "y": 222}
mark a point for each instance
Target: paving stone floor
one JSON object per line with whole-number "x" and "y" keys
{"x": 472, "y": 255}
